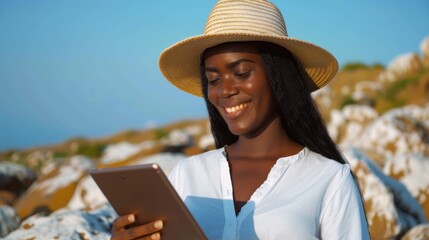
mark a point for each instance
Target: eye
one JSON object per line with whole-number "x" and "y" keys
{"x": 242, "y": 75}
{"x": 213, "y": 81}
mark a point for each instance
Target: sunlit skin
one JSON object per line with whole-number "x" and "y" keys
{"x": 147, "y": 231}
{"x": 239, "y": 89}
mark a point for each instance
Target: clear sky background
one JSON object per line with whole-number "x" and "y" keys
{"x": 90, "y": 68}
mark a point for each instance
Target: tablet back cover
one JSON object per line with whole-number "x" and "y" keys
{"x": 145, "y": 191}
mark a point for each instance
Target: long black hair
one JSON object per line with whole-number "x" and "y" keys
{"x": 291, "y": 87}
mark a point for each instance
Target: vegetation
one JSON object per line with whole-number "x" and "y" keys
{"x": 401, "y": 92}
{"x": 359, "y": 65}
{"x": 160, "y": 133}
{"x": 92, "y": 150}
{"x": 347, "y": 100}
{"x": 61, "y": 154}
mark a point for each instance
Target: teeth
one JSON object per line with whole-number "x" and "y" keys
{"x": 235, "y": 108}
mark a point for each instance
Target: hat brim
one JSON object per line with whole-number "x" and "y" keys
{"x": 180, "y": 63}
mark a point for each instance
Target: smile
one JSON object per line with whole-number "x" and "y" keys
{"x": 236, "y": 108}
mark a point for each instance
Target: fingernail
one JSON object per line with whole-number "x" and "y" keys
{"x": 131, "y": 218}
{"x": 155, "y": 236}
{"x": 157, "y": 225}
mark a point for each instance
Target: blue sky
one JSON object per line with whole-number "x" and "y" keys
{"x": 90, "y": 68}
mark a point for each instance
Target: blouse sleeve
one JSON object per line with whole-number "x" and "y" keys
{"x": 343, "y": 215}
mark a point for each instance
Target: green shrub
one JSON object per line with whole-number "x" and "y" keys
{"x": 359, "y": 65}
{"x": 92, "y": 150}
{"x": 60, "y": 154}
{"x": 160, "y": 133}
{"x": 347, "y": 100}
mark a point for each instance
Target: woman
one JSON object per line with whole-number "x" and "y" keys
{"x": 276, "y": 173}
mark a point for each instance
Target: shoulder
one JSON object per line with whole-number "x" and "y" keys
{"x": 333, "y": 177}
{"x": 198, "y": 164}
{"x": 194, "y": 175}
{"x": 338, "y": 177}
{"x": 216, "y": 153}
{"x": 342, "y": 203}
{"x": 209, "y": 157}
{"x": 316, "y": 162}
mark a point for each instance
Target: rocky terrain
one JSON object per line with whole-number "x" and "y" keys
{"x": 378, "y": 116}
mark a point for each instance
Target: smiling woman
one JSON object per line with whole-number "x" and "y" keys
{"x": 276, "y": 173}
{"x": 238, "y": 87}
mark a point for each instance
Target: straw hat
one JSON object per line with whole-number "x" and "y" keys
{"x": 238, "y": 21}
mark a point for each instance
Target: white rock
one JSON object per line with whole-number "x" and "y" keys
{"x": 323, "y": 97}
{"x": 9, "y": 220}
{"x": 406, "y": 213}
{"x": 395, "y": 132}
{"x": 401, "y": 66}
{"x": 122, "y": 150}
{"x": 364, "y": 88}
{"x": 424, "y": 48}
{"x": 347, "y": 125}
{"x": 413, "y": 169}
{"x": 375, "y": 192}
{"x": 206, "y": 141}
{"x": 178, "y": 138}
{"x": 67, "y": 224}
{"x": 69, "y": 173}
{"x": 194, "y": 130}
{"x": 87, "y": 195}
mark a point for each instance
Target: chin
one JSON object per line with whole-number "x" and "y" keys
{"x": 239, "y": 130}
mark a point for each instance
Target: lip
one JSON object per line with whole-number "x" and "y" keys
{"x": 234, "y": 110}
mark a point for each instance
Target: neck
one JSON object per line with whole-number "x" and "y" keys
{"x": 273, "y": 140}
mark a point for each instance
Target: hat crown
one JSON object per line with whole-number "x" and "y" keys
{"x": 245, "y": 16}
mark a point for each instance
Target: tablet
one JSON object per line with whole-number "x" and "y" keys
{"x": 146, "y": 192}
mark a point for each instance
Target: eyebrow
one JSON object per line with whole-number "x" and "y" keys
{"x": 230, "y": 65}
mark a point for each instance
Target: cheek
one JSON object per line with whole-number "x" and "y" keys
{"x": 212, "y": 96}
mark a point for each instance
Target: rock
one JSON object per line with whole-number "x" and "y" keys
{"x": 193, "y": 130}
{"x": 411, "y": 170}
{"x": 399, "y": 131}
{"x": 87, "y": 195}
{"x": 206, "y": 142}
{"x": 122, "y": 150}
{"x": 347, "y": 125}
{"x": 323, "y": 97}
{"x": 420, "y": 232}
{"x": 364, "y": 91}
{"x": 39, "y": 158}
{"x": 15, "y": 178}
{"x": 400, "y": 67}
{"x": 378, "y": 200}
{"x": 390, "y": 208}
{"x": 67, "y": 224}
{"x": 424, "y": 48}
{"x": 9, "y": 220}
{"x": 7, "y": 198}
{"x": 177, "y": 141}
{"x": 53, "y": 190}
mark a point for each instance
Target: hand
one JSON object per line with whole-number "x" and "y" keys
{"x": 148, "y": 231}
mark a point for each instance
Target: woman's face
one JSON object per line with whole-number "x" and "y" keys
{"x": 238, "y": 87}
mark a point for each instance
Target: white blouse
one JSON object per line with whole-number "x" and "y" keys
{"x": 305, "y": 196}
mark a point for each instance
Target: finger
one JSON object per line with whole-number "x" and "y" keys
{"x": 149, "y": 231}
{"x": 154, "y": 236}
{"x": 122, "y": 221}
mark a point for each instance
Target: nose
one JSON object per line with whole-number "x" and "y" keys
{"x": 227, "y": 88}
